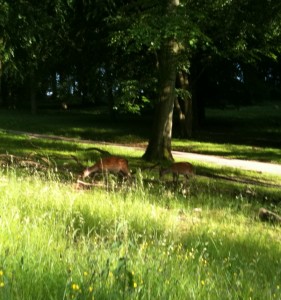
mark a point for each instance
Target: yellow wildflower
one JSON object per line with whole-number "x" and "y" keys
{"x": 75, "y": 287}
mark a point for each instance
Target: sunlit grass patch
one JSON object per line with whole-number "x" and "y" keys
{"x": 137, "y": 242}
{"x": 145, "y": 239}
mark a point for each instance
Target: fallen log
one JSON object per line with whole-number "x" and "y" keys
{"x": 87, "y": 185}
{"x": 269, "y": 216}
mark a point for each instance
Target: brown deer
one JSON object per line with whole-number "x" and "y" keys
{"x": 180, "y": 168}
{"x": 111, "y": 164}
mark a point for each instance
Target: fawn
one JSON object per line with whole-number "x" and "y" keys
{"x": 180, "y": 168}
{"x": 111, "y": 164}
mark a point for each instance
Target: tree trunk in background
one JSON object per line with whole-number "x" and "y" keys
{"x": 198, "y": 111}
{"x": 1, "y": 95}
{"x": 183, "y": 106}
{"x": 197, "y": 79}
{"x": 33, "y": 90}
{"x": 109, "y": 91}
{"x": 254, "y": 84}
{"x": 54, "y": 86}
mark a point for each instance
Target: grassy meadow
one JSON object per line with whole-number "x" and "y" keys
{"x": 143, "y": 239}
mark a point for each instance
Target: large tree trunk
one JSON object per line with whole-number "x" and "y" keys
{"x": 159, "y": 146}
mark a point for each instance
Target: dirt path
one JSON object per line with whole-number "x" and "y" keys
{"x": 234, "y": 163}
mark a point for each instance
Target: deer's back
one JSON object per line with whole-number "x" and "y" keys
{"x": 178, "y": 168}
{"x": 109, "y": 164}
{"x": 182, "y": 168}
{"x": 113, "y": 164}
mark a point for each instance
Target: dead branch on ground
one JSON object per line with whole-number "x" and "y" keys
{"x": 99, "y": 150}
{"x": 269, "y": 216}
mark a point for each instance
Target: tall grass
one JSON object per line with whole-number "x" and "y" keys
{"x": 134, "y": 242}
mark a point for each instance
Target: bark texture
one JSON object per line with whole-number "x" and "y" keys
{"x": 159, "y": 146}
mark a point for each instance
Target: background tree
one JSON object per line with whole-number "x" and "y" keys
{"x": 191, "y": 36}
{"x": 30, "y": 36}
{"x": 242, "y": 33}
{"x": 179, "y": 55}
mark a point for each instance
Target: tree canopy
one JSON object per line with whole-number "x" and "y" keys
{"x": 176, "y": 55}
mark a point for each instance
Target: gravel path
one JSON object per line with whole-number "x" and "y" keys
{"x": 234, "y": 163}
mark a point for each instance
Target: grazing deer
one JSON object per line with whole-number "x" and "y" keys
{"x": 181, "y": 168}
{"x": 111, "y": 164}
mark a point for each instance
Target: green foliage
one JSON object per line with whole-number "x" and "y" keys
{"x": 144, "y": 239}
{"x": 130, "y": 98}
{"x": 27, "y": 30}
{"x": 201, "y": 26}
{"x": 123, "y": 40}
{"x": 139, "y": 242}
